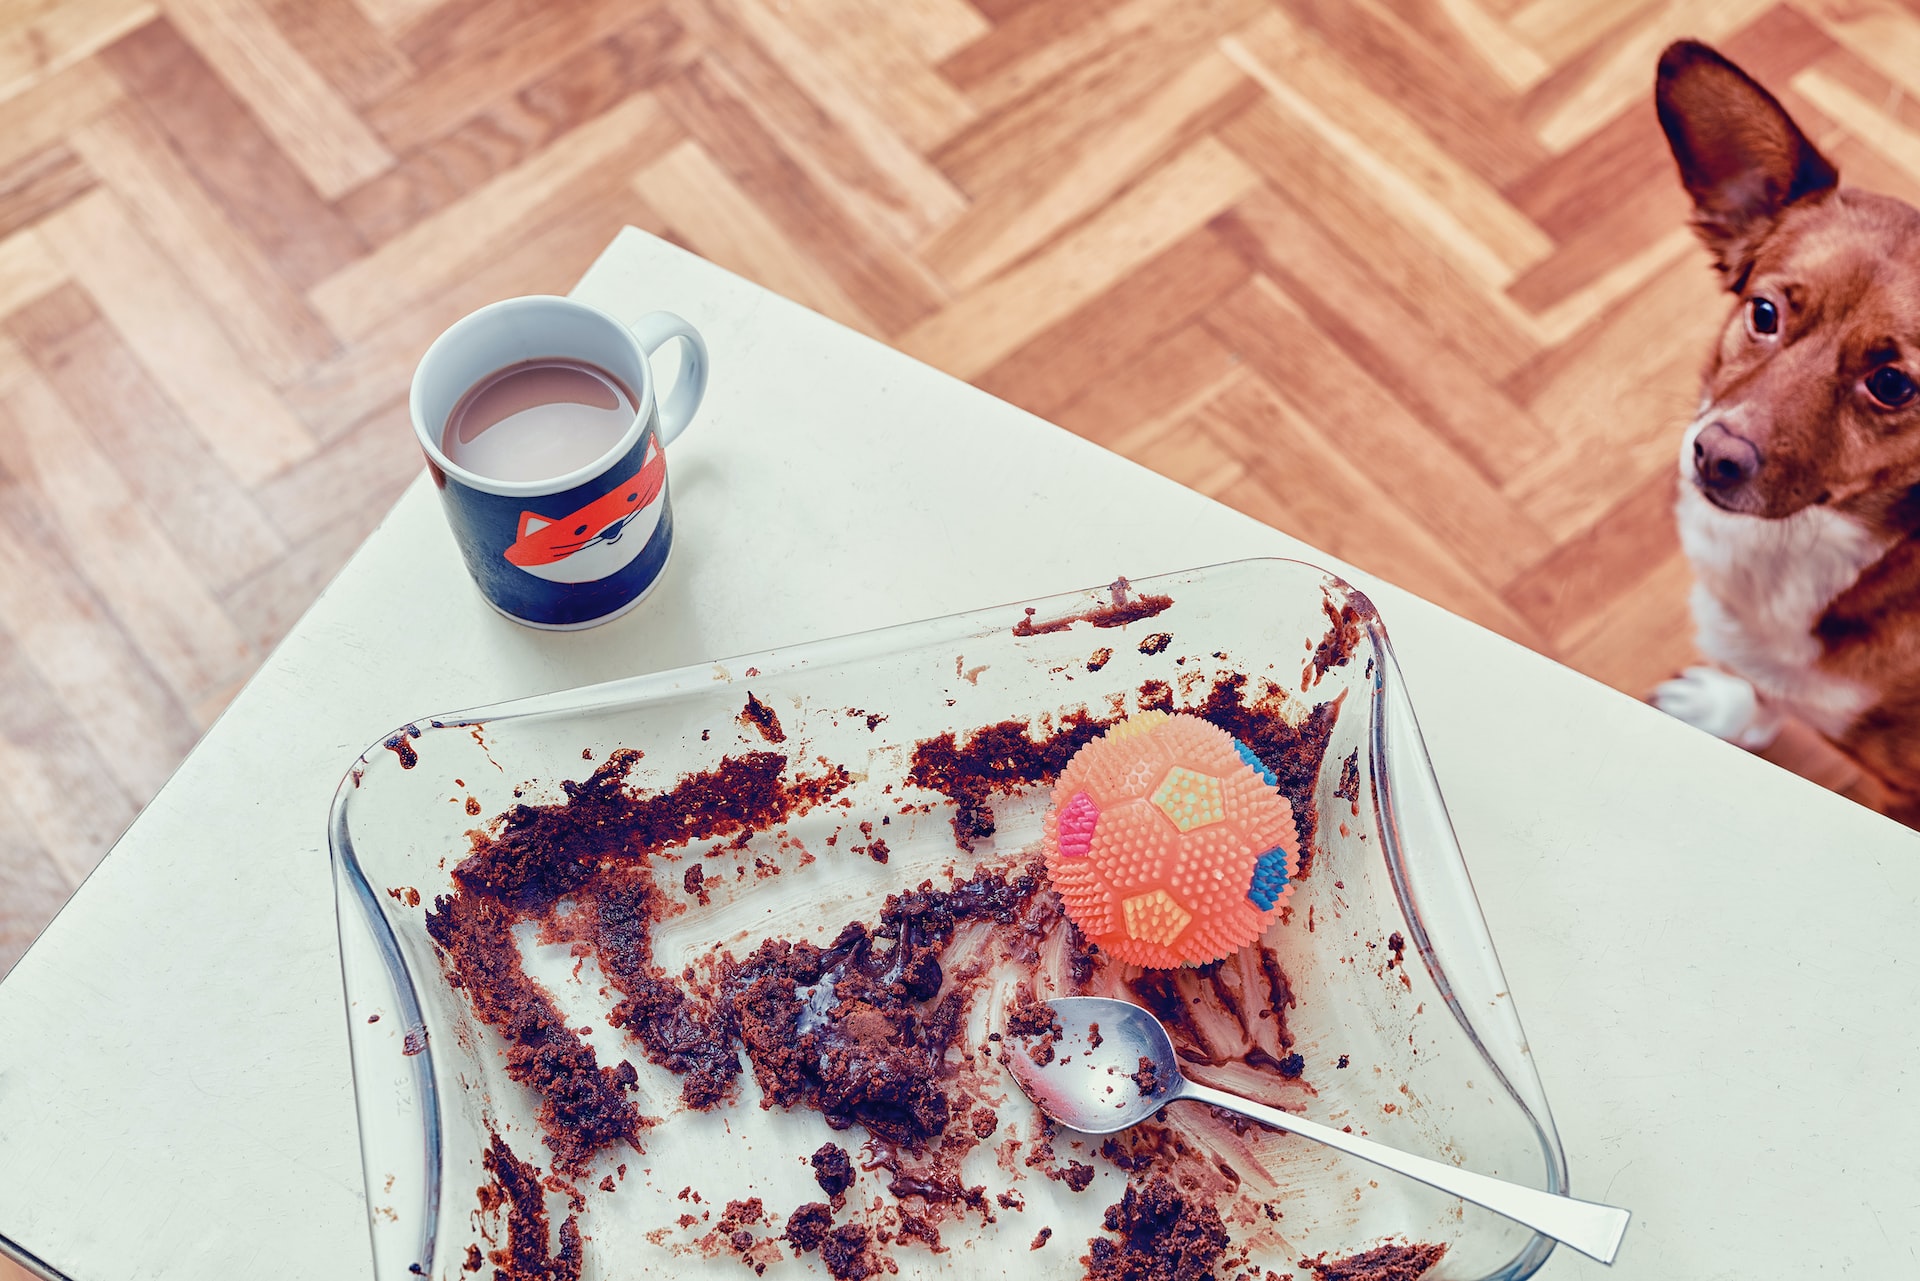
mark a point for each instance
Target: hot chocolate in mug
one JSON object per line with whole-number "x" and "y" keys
{"x": 541, "y": 427}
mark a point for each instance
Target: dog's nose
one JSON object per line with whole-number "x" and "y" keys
{"x": 1723, "y": 460}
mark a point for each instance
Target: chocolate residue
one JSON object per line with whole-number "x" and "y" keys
{"x": 853, "y": 1029}
{"x": 694, "y": 882}
{"x": 1077, "y": 1175}
{"x": 401, "y": 745}
{"x": 1004, "y": 757}
{"x": 832, "y": 1169}
{"x": 1156, "y": 643}
{"x": 1099, "y": 658}
{"x": 1291, "y": 752}
{"x": 1040, "y": 1238}
{"x": 1382, "y": 1263}
{"x": 543, "y": 852}
{"x": 584, "y": 1107}
{"x": 1349, "y": 788}
{"x": 758, "y": 715}
{"x": 845, "y": 1253}
{"x": 1162, "y": 1236}
{"x": 526, "y": 1256}
{"x": 999, "y": 758}
{"x": 808, "y": 1226}
{"x": 1348, "y": 626}
{"x": 870, "y": 1030}
{"x": 1117, "y": 612}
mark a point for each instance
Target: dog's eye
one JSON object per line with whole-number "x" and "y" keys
{"x": 1763, "y": 317}
{"x": 1890, "y": 386}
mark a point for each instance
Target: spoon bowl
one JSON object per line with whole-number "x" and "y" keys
{"x": 1113, "y": 1066}
{"x": 1107, "y": 1064}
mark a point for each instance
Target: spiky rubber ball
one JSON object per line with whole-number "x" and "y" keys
{"x": 1169, "y": 843}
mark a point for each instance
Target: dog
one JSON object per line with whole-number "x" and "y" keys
{"x": 1799, "y": 503}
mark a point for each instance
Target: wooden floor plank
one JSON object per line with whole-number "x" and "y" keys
{"x": 434, "y": 252}
{"x": 983, "y": 328}
{"x": 205, "y": 512}
{"x": 177, "y": 338}
{"x": 315, "y": 127}
{"x": 241, "y": 166}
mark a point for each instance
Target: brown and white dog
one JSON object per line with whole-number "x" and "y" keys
{"x": 1800, "y": 474}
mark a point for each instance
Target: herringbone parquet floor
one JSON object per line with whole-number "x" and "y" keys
{"x": 1407, "y": 278}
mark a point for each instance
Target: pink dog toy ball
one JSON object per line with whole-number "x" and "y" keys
{"x": 1168, "y": 842}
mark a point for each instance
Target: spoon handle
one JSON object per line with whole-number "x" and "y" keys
{"x": 1591, "y": 1228}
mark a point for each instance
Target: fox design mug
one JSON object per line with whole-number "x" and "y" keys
{"x": 581, "y": 548}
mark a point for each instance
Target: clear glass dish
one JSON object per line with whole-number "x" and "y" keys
{"x": 1424, "y": 1052}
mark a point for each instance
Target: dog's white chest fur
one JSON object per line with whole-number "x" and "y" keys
{"x": 1759, "y": 588}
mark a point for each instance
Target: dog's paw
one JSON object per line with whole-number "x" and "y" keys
{"x": 1721, "y": 704}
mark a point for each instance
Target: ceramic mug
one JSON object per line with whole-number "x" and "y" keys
{"x": 581, "y": 548}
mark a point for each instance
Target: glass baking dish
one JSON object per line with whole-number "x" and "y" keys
{"x": 1401, "y": 1019}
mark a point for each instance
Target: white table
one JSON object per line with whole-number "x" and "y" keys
{"x": 1712, "y": 957}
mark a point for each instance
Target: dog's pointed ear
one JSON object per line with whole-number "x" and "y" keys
{"x": 1741, "y": 156}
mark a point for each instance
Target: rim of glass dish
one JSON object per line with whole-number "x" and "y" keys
{"x": 1533, "y": 1256}
{"x": 629, "y": 690}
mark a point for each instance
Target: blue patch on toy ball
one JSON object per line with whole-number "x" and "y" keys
{"x": 1269, "y": 878}
{"x": 1258, "y": 767}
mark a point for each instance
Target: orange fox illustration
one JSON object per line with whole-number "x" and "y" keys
{"x": 600, "y": 538}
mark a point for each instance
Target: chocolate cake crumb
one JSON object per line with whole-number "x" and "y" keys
{"x": 1077, "y": 1175}
{"x": 1349, "y": 788}
{"x": 860, "y": 1030}
{"x": 808, "y": 1225}
{"x": 1147, "y": 1078}
{"x": 1397, "y": 944}
{"x": 694, "y": 882}
{"x": 1156, "y": 643}
{"x": 739, "y": 1214}
{"x": 1348, "y": 625}
{"x": 1099, "y": 658}
{"x": 832, "y": 1169}
{"x": 1118, "y": 612}
{"x": 985, "y": 1122}
{"x": 1344, "y": 1060}
{"x": 606, "y": 1183}
{"x": 758, "y": 715}
{"x": 1040, "y": 1238}
{"x": 1382, "y": 1263}
{"x": 526, "y": 1257}
{"x": 845, "y": 1253}
{"x": 1292, "y": 1066}
{"x": 1292, "y": 752}
{"x": 1162, "y": 1236}
{"x": 584, "y": 1107}
{"x": 1094, "y": 1039}
{"x": 543, "y": 852}
{"x": 999, "y": 758}
{"x": 474, "y": 1261}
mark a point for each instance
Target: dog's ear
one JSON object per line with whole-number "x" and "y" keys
{"x": 1741, "y": 156}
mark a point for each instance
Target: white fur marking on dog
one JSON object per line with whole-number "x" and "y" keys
{"x": 1721, "y": 704}
{"x": 1761, "y": 585}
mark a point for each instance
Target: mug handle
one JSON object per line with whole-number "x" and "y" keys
{"x": 655, "y": 330}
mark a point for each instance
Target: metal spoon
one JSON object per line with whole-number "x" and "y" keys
{"x": 1098, "y": 1089}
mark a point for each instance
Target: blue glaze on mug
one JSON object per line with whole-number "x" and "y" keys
{"x": 569, "y": 558}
